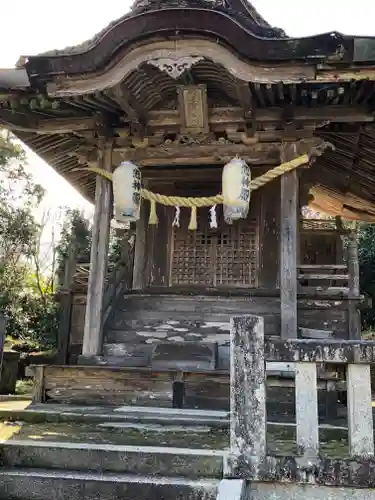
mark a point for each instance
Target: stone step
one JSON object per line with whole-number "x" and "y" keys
{"x": 155, "y": 461}
{"x": 31, "y": 484}
{"x": 60, "y": 413}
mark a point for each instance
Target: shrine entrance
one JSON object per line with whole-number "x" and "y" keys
{"x": 226, "y": 256}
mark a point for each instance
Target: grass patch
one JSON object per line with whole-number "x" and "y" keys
{"x": 24, "y": 387}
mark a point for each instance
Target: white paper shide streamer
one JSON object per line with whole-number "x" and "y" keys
{"x": 236, "y": 190}
{"x": 176, "y": 220}
{"x": 213, "y": 218}
{"x": 126, "y": 192}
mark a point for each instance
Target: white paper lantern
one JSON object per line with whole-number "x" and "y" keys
{"x": 236, "y": 190}
{"x": 126, "y": 192}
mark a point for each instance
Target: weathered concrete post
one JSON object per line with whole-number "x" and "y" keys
{"x": 247, "y": 394}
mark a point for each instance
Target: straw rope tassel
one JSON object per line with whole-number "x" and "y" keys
{"x": 153, "y": 219}
{"x": 193, "y": 225}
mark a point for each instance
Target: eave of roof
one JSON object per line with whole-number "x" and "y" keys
{"x": 241, "y": 10}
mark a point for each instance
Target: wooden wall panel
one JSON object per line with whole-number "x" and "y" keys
{"x": 269, "y": 236}
{"x": 226, "y": 256}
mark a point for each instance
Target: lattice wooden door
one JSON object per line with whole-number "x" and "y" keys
{"x": 226, "y": 257}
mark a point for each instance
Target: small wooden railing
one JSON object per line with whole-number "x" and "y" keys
{"x": 332, "y": 278}
{"x": 120, "y": 279}
{"x": 76, "y": 276}
{"x": 249, "y": 459}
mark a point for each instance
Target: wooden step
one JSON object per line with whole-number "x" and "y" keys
{"x": 324, "y": 277}
{"x": 161, "y": 355}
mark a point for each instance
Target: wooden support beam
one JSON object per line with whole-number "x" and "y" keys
{"x": 354, "y": 319}
{"x": 245, "y": 98}
{"x": 288, "y": 245}
{"x": 23, "y": 122}
{"x": 235, "y": 115}
{"x": 17, "y": 121}
{"x": 219, "y": 118}
{"x": 140, "y": 251}
{"x": 92, "y": 337}
{"x": 65, "y": 305}
{"x": 256, "y": 154}
{"x": 67, "y": 125}
{"x": 128, "y": 103}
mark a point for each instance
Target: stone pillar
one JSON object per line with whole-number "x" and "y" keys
{"x": 247, "y": 396}
{"x": 288, "y": 245}
{"x": 92, "y": 337}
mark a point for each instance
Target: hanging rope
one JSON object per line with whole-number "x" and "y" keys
{"x": 208, "y": 201}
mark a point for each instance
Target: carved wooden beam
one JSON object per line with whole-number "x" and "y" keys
{"x": 170, "y": 120}
{"x": 257, "y": 154}
{"x": 235, "y": 116}
{"x": 193, "y": 154}
{"x": 215, "y": 152}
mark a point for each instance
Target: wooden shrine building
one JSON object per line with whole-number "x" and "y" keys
{"x": 179, "y": 88}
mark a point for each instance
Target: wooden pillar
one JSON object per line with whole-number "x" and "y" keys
{"x": 288, "y": 245}
{"x": 140, "y": 280}
{"x": 2, "y": 339}
{"x": 65, "y": 305}
{"x": 354, "y": 319}
{"x": 339, "y": 239}
{"x": 92, "y": 337}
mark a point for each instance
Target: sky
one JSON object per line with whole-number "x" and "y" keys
{"x": 31, "y": 27}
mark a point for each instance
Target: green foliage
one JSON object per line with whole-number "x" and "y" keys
{"x": 115, "y": 249}
{"x": 26, "y": 295}
{"x": 77, "y": 229}
{"x": 366, "y": 256}
{"x": 26, "y": 301}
